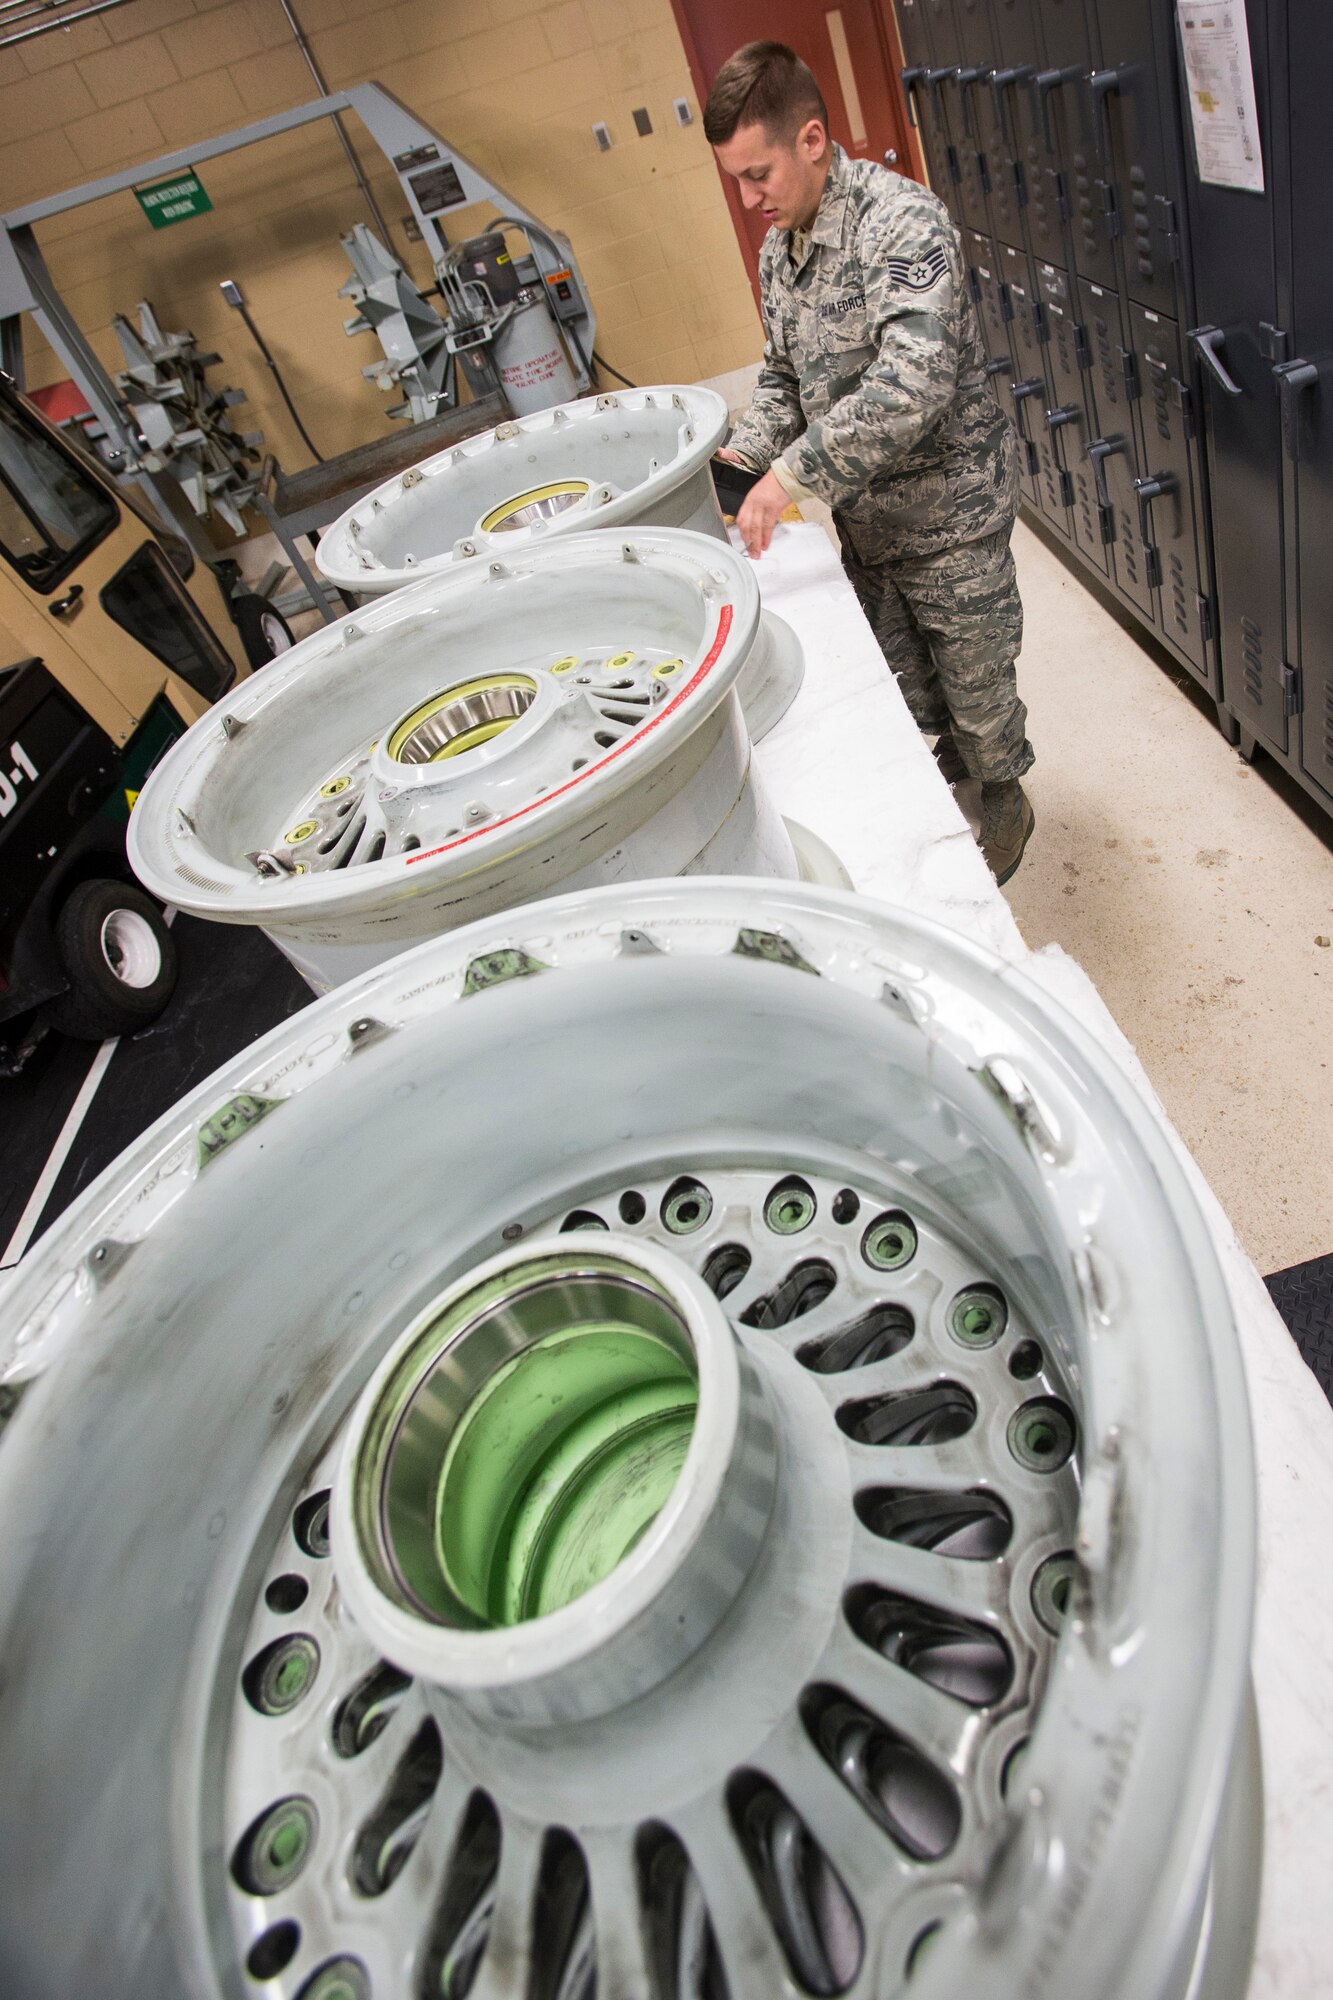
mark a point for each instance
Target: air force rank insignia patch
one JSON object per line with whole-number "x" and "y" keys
{"x": 918, "y": 274}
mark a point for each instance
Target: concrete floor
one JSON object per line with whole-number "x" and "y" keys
{"x": 1191, "y": 887}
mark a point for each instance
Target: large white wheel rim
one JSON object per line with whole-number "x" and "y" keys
{"x": 638, "y": 455}
{"x": 485, "y": 736}
{"x": 963, "y": 1574}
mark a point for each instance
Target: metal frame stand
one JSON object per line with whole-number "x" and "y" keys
{"x": 435, "y": 179}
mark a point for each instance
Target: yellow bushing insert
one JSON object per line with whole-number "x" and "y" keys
{"x": 302, "y": 831}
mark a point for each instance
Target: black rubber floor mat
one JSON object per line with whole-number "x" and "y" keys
{"x": 234, "y": 985}
{"x": 1304, "y": 1297}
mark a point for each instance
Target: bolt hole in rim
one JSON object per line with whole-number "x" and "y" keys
{"x": 130, "y": 949}
{"x": 901, "y": 1483}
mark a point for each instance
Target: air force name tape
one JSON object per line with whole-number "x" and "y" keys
{"x": 836, "y": 308}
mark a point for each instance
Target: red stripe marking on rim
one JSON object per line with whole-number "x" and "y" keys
{"x": 704, "y": 667}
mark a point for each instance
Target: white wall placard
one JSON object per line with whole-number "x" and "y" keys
{"x": 1215, "y": 44}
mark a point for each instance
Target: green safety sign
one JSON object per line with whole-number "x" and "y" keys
{"x": 172, "y": 201}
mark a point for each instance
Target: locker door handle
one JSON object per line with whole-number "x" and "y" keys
{"x": 1099, "y": 451}
{"x": 966, "y": 79}
{"x": 1002, "y": 80}
{"x": 1147, "y": 490}
{"x": 1208, "y": 339}
{"x": 994, "y": 368}
{"x": 1293, "y": 378}
{"x": 1045, "y": 81}
{"x": 1056, "y": 419}
{"x": 1101, "y": 84}
{"x": 1020, "y": 391}
{"x": 934, "y": 78}
{"x": 910, "y": 79}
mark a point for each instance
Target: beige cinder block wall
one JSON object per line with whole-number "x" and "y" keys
{"x": 514, "y": 84}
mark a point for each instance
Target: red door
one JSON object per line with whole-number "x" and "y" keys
{"x": 852, "y": 50}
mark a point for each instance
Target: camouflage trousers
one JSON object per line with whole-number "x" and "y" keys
{"x": 950, "y": 626}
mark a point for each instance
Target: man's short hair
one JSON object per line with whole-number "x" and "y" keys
{"x": 767, "y": 84}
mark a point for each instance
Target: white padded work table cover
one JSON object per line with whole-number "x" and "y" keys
{"x": 848, "y": 762}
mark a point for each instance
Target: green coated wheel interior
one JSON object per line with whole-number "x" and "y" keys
{"x": 560, "y": 1466}
{"x": 528, "y": 1439}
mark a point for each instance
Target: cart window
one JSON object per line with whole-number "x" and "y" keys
{"x": 52, "y": 511}
{"x": 145, "y": 598}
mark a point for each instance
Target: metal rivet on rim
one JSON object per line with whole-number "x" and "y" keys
{"x": 1041, "y": 1435}
{"x": 978, "y": 1316}
{"x": 890, "y": 1241}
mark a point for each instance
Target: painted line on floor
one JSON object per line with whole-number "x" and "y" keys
{"x": 60, "y": 1152}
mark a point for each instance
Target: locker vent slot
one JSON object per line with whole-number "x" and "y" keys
{"x": 1252, "y": 657}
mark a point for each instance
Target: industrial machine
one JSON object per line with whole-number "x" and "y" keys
{"x": 867, "y": 1611}
{"x": 500, "y": 730}
{"x": 637, "y": 455}
{"x": 119, "y": 641}
{"x": 495, "y": 311}
{"x": 437, "y": 182}
{"x": 183, "y": 421}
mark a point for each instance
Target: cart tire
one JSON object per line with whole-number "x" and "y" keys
{"x": 264, "y": 632}
{"x": 119, "y": 958}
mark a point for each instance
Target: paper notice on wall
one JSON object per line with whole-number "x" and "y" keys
{"x": 1215, "y": 42}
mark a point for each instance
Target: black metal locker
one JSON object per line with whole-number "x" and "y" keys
{"x": 923, "y": 106}
{"x": 1167, "y": 490}
{"x": 1069, "y": 418}
{"x": 1017, "y": 46}
{"x": 1113, "y": 452}
{"x": 972, "y": 112}
{"x": 1030, "y": 391}
{"x": 1061, "y": 116}
{"x": 1305, "y": 386}
{"x": 1240, "y": 331}
{"x": 1137, "y": 185}
{"x": 984, "y": 276}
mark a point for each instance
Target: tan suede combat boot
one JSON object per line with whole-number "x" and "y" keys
{"x": 1007, "y": 820}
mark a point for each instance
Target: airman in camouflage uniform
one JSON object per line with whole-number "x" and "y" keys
{"x": 873, "y": 397}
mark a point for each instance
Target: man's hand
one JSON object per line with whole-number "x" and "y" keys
{"x": 731, "y": 457}
{"x": 763, "y": 508}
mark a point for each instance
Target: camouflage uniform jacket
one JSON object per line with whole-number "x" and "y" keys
{"x": 873, "y": 387}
